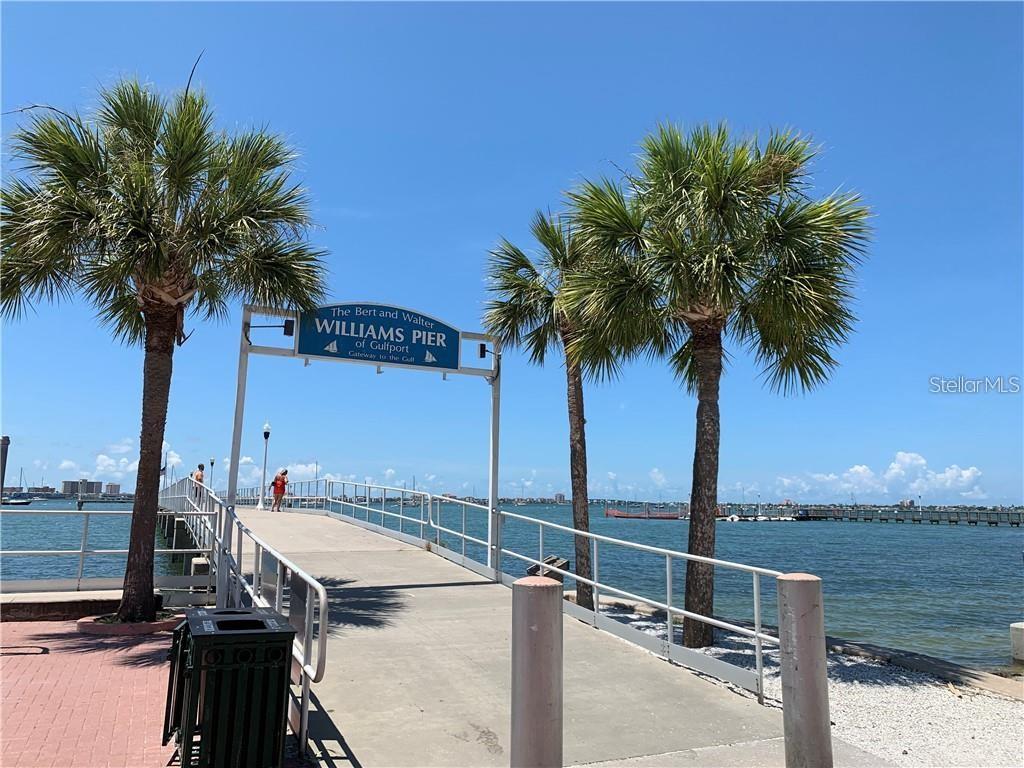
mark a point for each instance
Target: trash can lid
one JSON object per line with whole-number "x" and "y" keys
{"x": 237, "y": 621}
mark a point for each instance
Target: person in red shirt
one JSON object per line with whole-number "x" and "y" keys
{"x": 278, "y": 486}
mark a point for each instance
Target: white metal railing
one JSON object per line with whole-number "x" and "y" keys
{"x": 186, "y": 584}
{"x": 757, "y": 634}
{"x": 264, "y": 583}
{"x": 375, "y": 505}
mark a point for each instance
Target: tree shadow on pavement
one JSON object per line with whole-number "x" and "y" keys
{"x": 359, "y": 606}
{"x": 327, "y": 744}
{"x": 131, "y": 651}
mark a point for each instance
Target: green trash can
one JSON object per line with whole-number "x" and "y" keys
{"x": 227, "y": 694}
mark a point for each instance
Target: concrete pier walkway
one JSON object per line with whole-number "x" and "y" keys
{"x": 418, "y": 670}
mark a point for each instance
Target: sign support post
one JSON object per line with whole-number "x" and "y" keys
{"x": 494, "y": 520}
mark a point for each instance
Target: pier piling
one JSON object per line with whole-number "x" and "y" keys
{"x": 805, "y": 712}
{"x": 1017, "y": 641}
{"x": 536, "y": 673}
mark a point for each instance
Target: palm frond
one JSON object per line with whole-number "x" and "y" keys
{"x": 722, "y": 230}
{"x": 148, "y": 200}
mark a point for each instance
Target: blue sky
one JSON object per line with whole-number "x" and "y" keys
{"x": 428, "y": 131}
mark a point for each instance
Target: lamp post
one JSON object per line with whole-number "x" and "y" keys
{"x": 212, "y": 487}
{"x": 4, "y": 442}
{"x": 266, "y": 442}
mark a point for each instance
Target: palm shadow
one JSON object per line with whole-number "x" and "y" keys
{"x": 364, "y": 606}
{"x": 127, "y": 651}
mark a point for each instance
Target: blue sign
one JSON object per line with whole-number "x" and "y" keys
{"x": 380, "y": 335}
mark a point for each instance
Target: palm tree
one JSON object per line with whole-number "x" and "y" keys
{"x": 715, "y": 238}
{"x": 528, "y": 311}
{"x": 147, "y": 211}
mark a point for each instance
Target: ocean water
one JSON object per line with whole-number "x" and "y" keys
{"x": 947, "y": 591}
{"x": 21, "y": 529}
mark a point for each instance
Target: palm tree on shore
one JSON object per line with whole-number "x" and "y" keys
{"x": 528, "y": 311}
{"x": 148, "y": 212}
{"x": 714, "y": 239}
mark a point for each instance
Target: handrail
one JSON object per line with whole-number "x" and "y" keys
{"x": 316, "y": 673}
{"x": 373, "y": 500}
{"x": 228, "y": 535}
{"x": 756, "y": 634}
{"x": 645, "y": 547}
{"x": 83, "y": 550}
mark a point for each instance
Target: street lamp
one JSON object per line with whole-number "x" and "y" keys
{"x": 266, "y": 441}
{"x": 212, "y": 487}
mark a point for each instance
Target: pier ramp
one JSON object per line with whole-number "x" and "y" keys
{"x": 418, "y": 672}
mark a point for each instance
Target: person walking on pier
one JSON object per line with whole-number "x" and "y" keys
{"x": 278, "y": 486}
{"x": 198, "y": 476}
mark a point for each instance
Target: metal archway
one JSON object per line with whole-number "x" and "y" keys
{"x": 380, "y": 335}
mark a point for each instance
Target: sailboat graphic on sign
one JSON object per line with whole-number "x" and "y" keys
{"x": 332, "y": 347}
{"x": 429, "y": 358}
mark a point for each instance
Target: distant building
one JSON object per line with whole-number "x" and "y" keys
{"x": 907, "y": 503}
{"x": 559, "y": 498}
{"x": 113, "y": 489}
{"x": 72, "y": 487}
{"x": 42, "y": 489}
{"x": 12, "y": 489}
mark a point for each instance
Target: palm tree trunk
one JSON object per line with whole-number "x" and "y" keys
{"x": 700, "y": 577}
{"x": 578, "y": 472}
{"x": 138, "y": 602}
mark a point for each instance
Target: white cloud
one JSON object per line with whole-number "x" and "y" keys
{"x": 907, "y": 475}
{"x": 114, "y": 469}
{"x": 68, "y": 464}
{"x": 657, "y": 477}
{"x": 389, "y": 475}
{"x": 124, "y": 445}
{"x": 975, "y": 494}
{"x": 791, "y": 485}
{"x": 612, "y": 476}
{"x": 310, "y": 471}
{"x": 105, "y": 464}
{"x": 40, "y": 464}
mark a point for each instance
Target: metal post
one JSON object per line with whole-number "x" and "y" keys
{"x": 307, "y": 652}
{"x": 85, "y": 545}
{"x": 758, "y": 645}
{"x": 668, "y": 601}
{"x": 4, "y": 442}
{"x": 536, "y": 673}
{"x": 263, "y": 484}
{"x": 805, "y": 713}
{"x": 494, "y": 520}
{"x": 236, "y": 434}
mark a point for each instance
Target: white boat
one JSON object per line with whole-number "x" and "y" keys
{"x": 18, "y": 502}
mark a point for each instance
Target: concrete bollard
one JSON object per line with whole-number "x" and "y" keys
{"x": 1017, "y": 641}
{"x": 805, "y": 714}
{"x": 536, "y": 673}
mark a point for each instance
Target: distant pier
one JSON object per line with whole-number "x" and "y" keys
{"x": 915, "y": 516}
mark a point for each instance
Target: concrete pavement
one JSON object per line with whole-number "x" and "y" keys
{"x": 418, "y": 670}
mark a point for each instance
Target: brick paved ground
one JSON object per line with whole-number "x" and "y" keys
{"x": 80, "y": 701}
